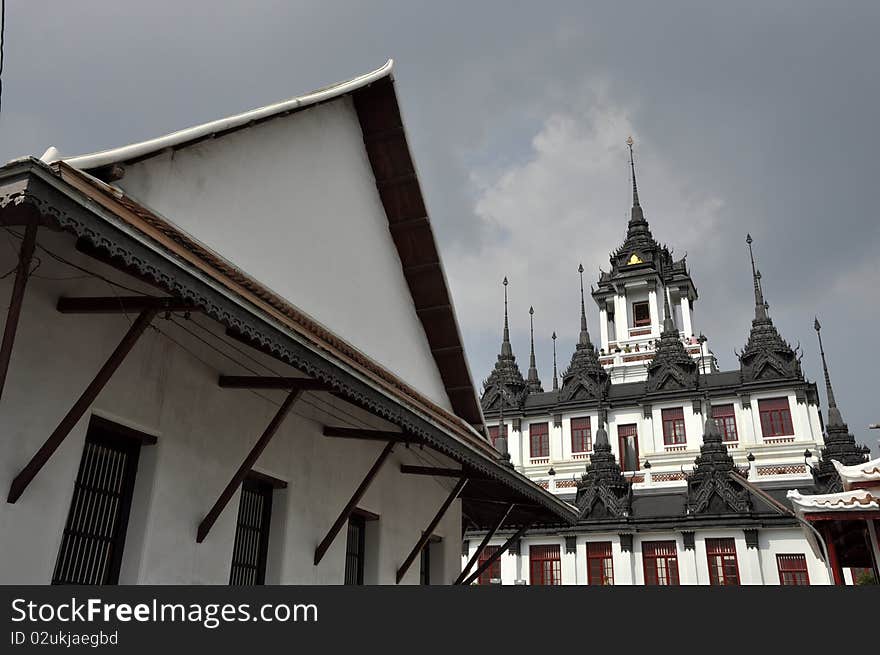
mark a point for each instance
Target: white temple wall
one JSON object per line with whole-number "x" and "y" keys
{"x": 293, "y": 202}
{"x": 204, "y": 433}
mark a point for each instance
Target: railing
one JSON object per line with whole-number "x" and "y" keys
{"x": 676, "y": 448}
{"x": 774, "y": 440}
{"x": 539, "y": 460}
{"x": 782, "y": 469}
{"x": 581, "y": 455}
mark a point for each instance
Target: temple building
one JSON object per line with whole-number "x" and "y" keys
{"x": 197, "y": 388}
{"x": 687, "y": 466}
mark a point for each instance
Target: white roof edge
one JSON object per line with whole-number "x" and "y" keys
{"x": 135, "y": 150}
{"x": 865, "y": 472}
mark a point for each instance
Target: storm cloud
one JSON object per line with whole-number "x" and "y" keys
{"x": 748, "y": 117}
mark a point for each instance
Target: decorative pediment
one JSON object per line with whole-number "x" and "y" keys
{"x": 603, "y": 491}
{"x": 672, "y": 368}
{"x": 634, "y": 259}
{"x": 711, "y": 486}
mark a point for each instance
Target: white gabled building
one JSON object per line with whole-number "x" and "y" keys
{"x": 230, "y": 356}
{"x": 686, "y": 465}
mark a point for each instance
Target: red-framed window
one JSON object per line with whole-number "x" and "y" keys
{"x": 725, "y": 419}
{"x": 496, "y": 431}
{"x": 660, "y": 561}
{"x": 544, "y": 565}
{"x": 628, "y": 441}
{"x": 494, "y": 570}
{"x": 641, "y": 314}
{"x": 673, "y": 426}
{"x": 600, "y": 565}
{"x": 539, "y": 440}
{"x": 792, "y": 570}
{"x": 723, "y": 568}
{"x": 775, "y": 417}
{"x": 581, "y": 436}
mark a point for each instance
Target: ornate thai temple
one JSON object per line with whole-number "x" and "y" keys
{"x": 679, "y": 470}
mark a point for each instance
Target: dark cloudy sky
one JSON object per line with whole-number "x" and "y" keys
{"x": 756, "y": 118}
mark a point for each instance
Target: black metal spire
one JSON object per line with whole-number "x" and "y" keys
{"x": 506, "y": 348}
{"x": 505, "y": 383}
{"x": 760, "y": 303}
{"x": 834, "y": 417}
{"x": 766, "y": 354}
{"x": 555, "y": 376}
{"x": 584, "y": 338}
{"x": 840, "y": 444}
{"x": 534, "y": 383}
{"x": 632, "y": 165}
{"x": 585, "y": 377}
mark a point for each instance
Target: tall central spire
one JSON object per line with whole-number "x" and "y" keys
{"x": 632, "y": 165}
{"x": 534, "y": 383}
{"x": 834, "y": 417}
{"x": 760, "y": 303}
{"x": 506, "y": 348}
{"x": 584, "y": 337}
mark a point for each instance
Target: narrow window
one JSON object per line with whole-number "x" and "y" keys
{"x": 673, "y": 426}
{"x": 425, "y": 565}
{"x": 94, "y": 534}
{"x": 628, "y": 438}
{"x": 725, "y": 419}
{"x": 425, "y": 560}
{"x": 792, "y": 570}
{"x": 581, "y": 437}
{"x": 775, "y": 417}
{"x": 354, "y": 550}
{"x": 251, "y": 543}
{"x": 496, "y": 431}
{"x": 660, "y": 560}
{"x": 641, "y": 314}
{"x": 494, "y": 570}
{"x": 545, "y": 565}
{"x": 723, "y": 569}
{"x": 600, "y": 566}
{"x": 539, "y": 440}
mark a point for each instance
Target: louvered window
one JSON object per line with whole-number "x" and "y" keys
{"x": 94, "y": 535}
{"x": 354, "y": 550}
{"x": 252, "y": 534}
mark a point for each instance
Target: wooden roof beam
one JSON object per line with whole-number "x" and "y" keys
{"x": 122, "y": 304}
{"x": 272, "y": 382}
{"x": 370, "y": 435}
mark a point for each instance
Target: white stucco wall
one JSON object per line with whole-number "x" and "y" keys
{"x": 203, "y": 433}
{"x": 293, "y": 203}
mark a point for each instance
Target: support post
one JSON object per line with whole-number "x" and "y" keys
{"x": 483, "y": 544}
{"x": 355, "y": 499}
{"x": 248, "y": 463}
{"x": 430, "y": 529}
{"x": 834, "y": 563}
{"x": 25, "y": 254}
{"x": 498, "y": 553}
{"x": 21, "y": 481}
